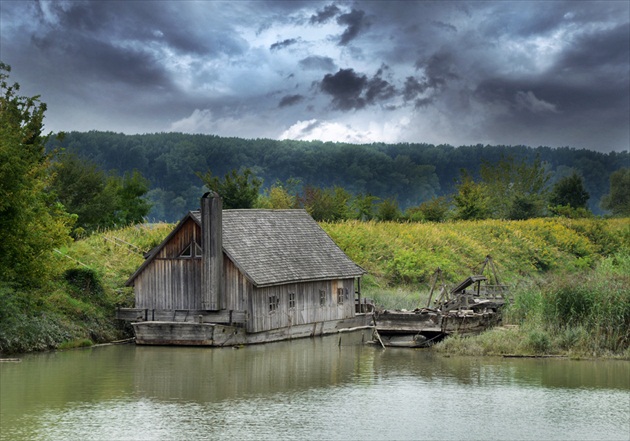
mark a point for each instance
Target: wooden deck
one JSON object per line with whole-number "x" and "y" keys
{"x": 354, "y": 330}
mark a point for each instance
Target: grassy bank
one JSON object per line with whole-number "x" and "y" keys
{"x": 585, "y": 314}
{"x": 77, "y": 308}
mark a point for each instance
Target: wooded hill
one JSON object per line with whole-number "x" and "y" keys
{"x": 410, "y": 173}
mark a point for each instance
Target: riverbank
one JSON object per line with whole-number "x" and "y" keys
{"x": 577, "y": 315}
{"x": 546, "y": 259}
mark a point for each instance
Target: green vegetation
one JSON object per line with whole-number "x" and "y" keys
{"x": 584, "y": 314}
{"x": 590, "y": 255}
{"x": 76, "y": 306}
{"x": 98, "y": 199}
{"x": 411, "y": 173}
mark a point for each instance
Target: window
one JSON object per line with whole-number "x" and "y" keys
{"x": 192, "y": 250}
{"x": 340, "y": 296}
{"x": 322, "y": 297}
{"x": 291, "y": 300}
{"x": 345, "y": 293}
{"x": 274, "y": 301}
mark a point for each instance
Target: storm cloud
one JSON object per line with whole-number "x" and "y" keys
{"x": 535, "y": 73}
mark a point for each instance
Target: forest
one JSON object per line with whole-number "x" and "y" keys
{"x": 408, "y": 173}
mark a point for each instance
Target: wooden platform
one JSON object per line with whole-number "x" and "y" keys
{"x": 425, "y": 327}
{"x": 352, "y": 331}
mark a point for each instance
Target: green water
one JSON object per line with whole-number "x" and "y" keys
{"x": 308, "y": 389}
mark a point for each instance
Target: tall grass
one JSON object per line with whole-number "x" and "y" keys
{"x": 573, "y": 314}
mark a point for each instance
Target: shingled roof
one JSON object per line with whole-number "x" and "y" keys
{"x": 274, "y": 247}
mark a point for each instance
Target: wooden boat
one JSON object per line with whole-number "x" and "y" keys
{"x": 473, "y": 306}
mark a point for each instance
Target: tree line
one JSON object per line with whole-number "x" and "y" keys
{"x": 410, "y": 174}
{"x": 508, "y": 189}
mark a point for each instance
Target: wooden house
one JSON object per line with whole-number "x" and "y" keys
{"x": 228, "y": 277}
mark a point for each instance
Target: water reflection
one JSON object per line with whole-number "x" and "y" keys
{"x": 308, "y": 389}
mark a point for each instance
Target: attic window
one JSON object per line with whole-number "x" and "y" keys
{"x": 192, "y": 250}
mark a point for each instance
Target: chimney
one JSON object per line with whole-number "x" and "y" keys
{"x": 212, "y": 244}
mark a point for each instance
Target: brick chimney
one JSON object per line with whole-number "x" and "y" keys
{"x": 212, "y": 245}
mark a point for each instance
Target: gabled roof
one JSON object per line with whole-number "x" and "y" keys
{"x": 275, "y": 247}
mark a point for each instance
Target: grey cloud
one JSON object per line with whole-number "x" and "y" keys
{"x": 413, "y": 88}
{"x": 439, "y": 68}
{"x": 325, "y": 14}
{"x": 379, "y": 89}
{"x": 283, "y": 44}
{"x": 350, "y": 90}
{"x": 290, "y": 100}
{"x": 355, "y": 21}
{"x": 345, "y": 87}
{"x": 597, "y": 50}
{"x": 316, "y": 62}
{"x": 444, "y": 26}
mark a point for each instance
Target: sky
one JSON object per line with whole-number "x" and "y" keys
{"x": 551, "y": 73}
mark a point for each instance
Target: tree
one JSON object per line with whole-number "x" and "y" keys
{"x": 363, "y": 206}
{"x": 238, "y": 190}
{"x": 32, "y": 223}
{"x": 279, "y": 196}
{"x": 515, "y": 190}
{"x": 387, "y": 210}
{"x": 99, "y": 200}
{"x": 618, "y": 199}
{"x": 131, "y": 205}
{"x": 434, "y": 210}
{"x": 569, "y": 197}
{"x": 330, "y": 204}
{"x": 471, "y": 200}
{"x": 569, "y": 191}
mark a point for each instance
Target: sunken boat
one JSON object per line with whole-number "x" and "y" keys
{"x": 471, "y": 307}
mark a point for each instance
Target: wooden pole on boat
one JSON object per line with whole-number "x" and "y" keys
{"x": 437, "y": 273}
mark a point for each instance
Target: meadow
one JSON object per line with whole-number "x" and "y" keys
{"x": 570, "y": 280}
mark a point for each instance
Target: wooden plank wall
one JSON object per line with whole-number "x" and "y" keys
{"x": 307, "y": 304}
{"x": 237, "y": 289}
{"x": 170, "y": 281}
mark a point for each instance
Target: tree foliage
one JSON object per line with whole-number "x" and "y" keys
{"x": 516, "y": 190}
{"x": 32, "y": 223}
{"x": 471, "y": 200}
{"x": 238, "y": 189}
{"x": 617, "y": 200}
{"x": 99, "y": 199}
{"x": 412, "y": 172}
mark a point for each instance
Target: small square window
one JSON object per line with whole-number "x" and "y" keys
{"x": 340, "y": 296}
{"x": 274, "y": 302}
{"x": 322, "y": 297}
{"x": 291, "y": 300}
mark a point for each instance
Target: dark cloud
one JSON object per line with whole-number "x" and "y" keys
{"x": 553, "y": 73}
{"x": 439, "y": 68}
{"x": 283, "y": 44}
{"x": 355, "y": 21}
{"x": 325, "y": 14}
{"x": 444, "y": 26}
{"x": 350, "y": 90}
{"x": 316, "y": 62}
{"x": 346, "y": 88}
{"x": 597, "y": 50}
{"x": 290, "y": 100}
{"x": 377, "y": 89}
{"x": 413, "y": 88}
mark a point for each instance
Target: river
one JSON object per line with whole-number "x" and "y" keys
{"x": 308, "y": 389}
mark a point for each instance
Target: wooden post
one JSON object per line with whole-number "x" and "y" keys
{"x": 212, "y": 245}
